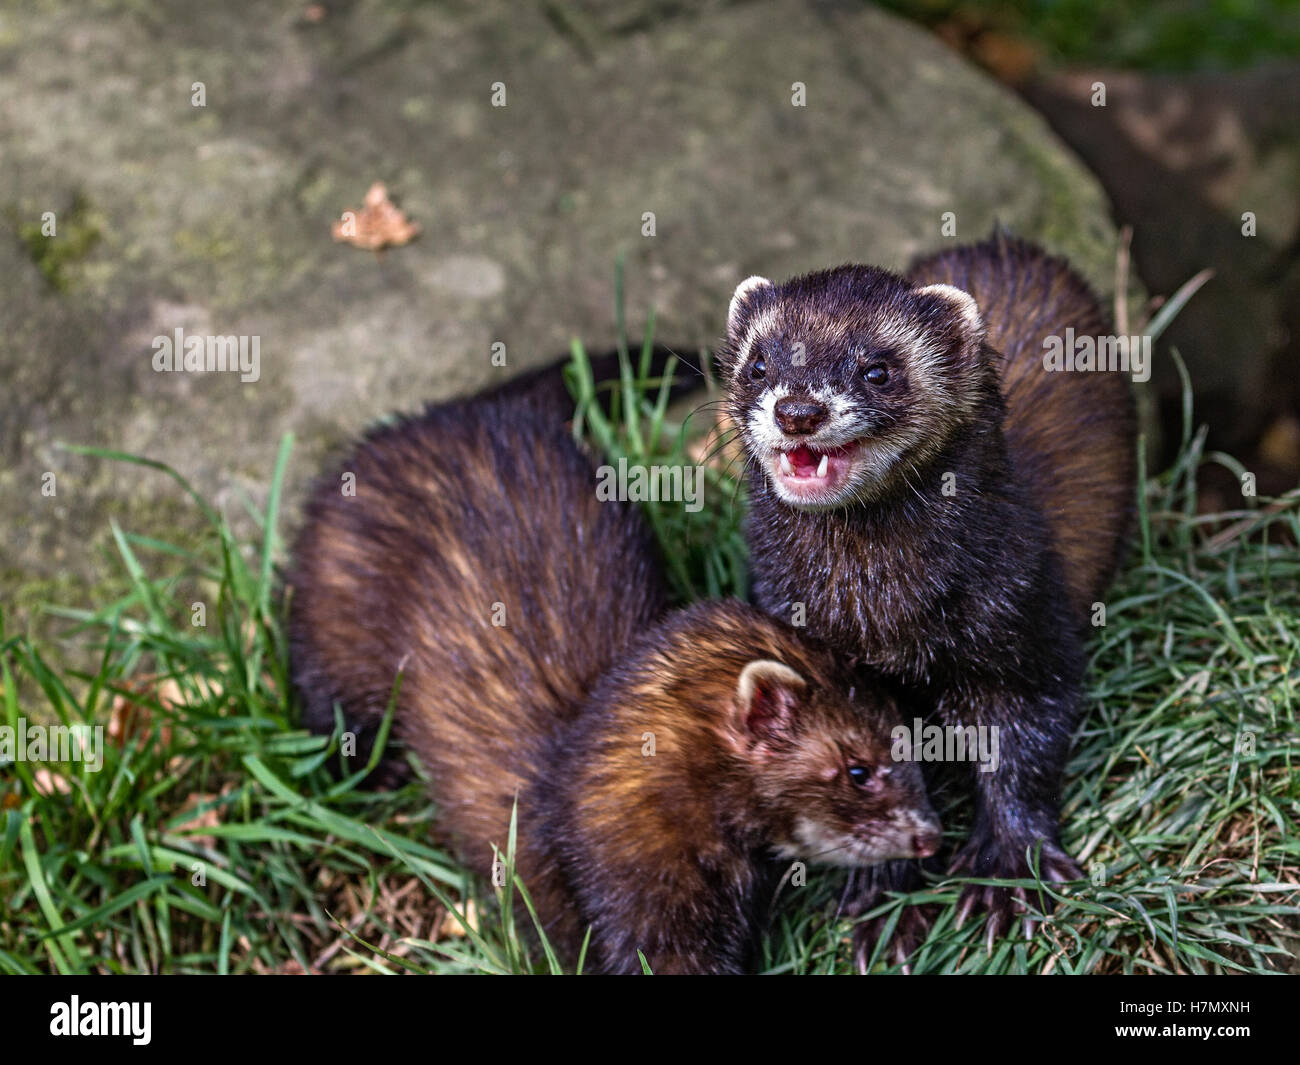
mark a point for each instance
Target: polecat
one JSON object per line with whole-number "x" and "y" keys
{"x": 944, "y": 509}
{"x": 666, "y": 770}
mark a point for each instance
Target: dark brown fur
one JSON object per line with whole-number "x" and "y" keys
{"x": 1069, "y": 435}
{"x": 489, "y": 501}
{"x": 678, "y": 853}
{"x": 456, "y": 511}
{"x": 965, "y": 565}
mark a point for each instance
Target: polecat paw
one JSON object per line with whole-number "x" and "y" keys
{"x": 909, "y": 933}
{"x": 1005, "y": 905}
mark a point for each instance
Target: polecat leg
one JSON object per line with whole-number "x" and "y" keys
{"x": 871, "y": 887}
{"x": 1018, "y": 801}
{"x": 1006, "y": 904}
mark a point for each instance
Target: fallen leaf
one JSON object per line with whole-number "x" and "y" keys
{"x": 47, "y": 783}
{"x": 130, "y": 719}
{"x": 1280, "y": 444}
{"x": 208, "y": 818}
{"x": 1012, "y": 59}
{"x": 451, "y": 928}
{"x": 378, "y": 224}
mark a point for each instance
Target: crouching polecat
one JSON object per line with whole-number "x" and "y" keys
{"x": 667, "y": 770}
{"x": 939, "y": 505}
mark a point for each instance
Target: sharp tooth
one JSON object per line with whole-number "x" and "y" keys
{"x": 786, "y": 468}
{"x": 823, "y": 465}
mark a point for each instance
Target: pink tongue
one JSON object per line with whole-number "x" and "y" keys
{"x": 803, "y": 458}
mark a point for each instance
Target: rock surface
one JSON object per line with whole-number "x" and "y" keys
{"x": 216, "y": 219}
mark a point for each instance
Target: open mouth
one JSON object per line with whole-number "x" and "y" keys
{"x": 805, "y": 474}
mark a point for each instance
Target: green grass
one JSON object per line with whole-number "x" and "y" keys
{"x": 214, "y": 839}
{"x": 1135, "y": 34}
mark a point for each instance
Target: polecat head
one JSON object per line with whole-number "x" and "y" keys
{"x": 844, "y": 381}
{"x": 823, "y": 771}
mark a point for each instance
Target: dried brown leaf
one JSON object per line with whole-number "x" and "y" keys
{"x": 379, "y": 223}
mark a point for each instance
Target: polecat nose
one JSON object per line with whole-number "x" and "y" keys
{"x": 798, "y": 417}
{"x": 925, "y": 843}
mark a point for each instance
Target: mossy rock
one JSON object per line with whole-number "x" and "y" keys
{"x": 217, "y": 218}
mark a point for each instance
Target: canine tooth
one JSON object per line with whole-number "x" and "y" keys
{"x": 822, "y": 466}
{"x": 786, "y": 468}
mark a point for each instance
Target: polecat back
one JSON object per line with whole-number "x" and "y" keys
{"x": 476, "y": 557}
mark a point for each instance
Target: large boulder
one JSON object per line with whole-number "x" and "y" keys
{"x": 216, "y": 219}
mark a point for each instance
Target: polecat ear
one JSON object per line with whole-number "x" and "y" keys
{"x": 736, "y": 312}
{"x": 962, "y": 303}
{"x": 767, "y": 694}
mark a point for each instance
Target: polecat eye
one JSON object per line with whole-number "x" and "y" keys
{"x": 875, "y": 375}
{"x": 860, "y": 775}
{"x": 758, "y": 369}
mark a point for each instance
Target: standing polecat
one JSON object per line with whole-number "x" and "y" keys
{"x": 940, "y": 506}
{"x": 666, "y": 769}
